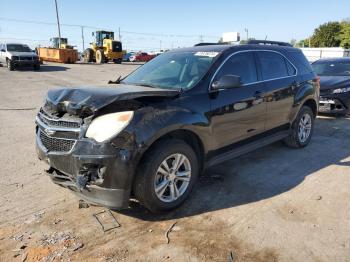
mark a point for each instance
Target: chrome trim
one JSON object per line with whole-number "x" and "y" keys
{"x": 57, "y": 152}
{"x": 60, "y": 129}
{"x": 253, "y": 50}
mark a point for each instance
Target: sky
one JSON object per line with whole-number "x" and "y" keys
{"x": 153, "y": 25}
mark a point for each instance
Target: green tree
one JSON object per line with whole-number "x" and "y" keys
{"x": 327, "y": 35}
{"x": 344, "y": 35}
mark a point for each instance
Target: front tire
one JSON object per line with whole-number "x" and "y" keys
{"x": 302, "y": 129}
{"x": 10, "y": 65}
{"x": 36, "y": 67}
{"x": 100, "y": 57}
{"x": 166, "y": 175}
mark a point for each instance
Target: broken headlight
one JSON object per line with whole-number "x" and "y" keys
{"x": 106, "y": 126}
{"x": 341, "y": 90}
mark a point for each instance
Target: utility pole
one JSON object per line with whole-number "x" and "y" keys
{"x": 120, "y": 37}
{"x": 246, "y": 30}
{"x": 58, "y": 25}
{"x": 82, "y": 37}
{"x": 200, "y": 38}
{"x": 160, "y": 45}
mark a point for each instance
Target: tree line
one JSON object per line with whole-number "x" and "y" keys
{"x": 330, "y": 34}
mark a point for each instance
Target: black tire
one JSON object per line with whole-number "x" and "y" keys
{"x": 294, "y": 140}
{"x": 36, "y": 67}
{"x": 10, "y": 65}
{"x": 117, "y": 61}
{"x": 88, "y": 55}
{"x": 100, "y": 57}
{"x": 145, "y": 180}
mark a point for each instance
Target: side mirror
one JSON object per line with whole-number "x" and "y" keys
{"x": 2, "y": 50}
{"x": 226, "y": 82}
{"x": 93, "y": 34}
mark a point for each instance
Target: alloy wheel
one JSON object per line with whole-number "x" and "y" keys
{"x": 305, "y": 126}
{"x": 172, "y": 178}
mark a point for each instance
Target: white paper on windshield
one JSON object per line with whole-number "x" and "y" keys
{"x": 207, "y": 54}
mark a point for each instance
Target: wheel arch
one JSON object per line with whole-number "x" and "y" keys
{"x": 312, "y": 104}
{"x": 186, "y": 135}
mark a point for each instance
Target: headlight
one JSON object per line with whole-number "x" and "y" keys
{"x": 341, "y": 90}
{"x": 106, "y": 126}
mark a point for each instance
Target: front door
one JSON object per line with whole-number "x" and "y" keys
{"x": 238, "y": 113}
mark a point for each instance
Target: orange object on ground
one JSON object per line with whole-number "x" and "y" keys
{"x": 60, "y": 55}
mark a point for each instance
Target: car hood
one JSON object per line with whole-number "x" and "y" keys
{"x": 86, "y": 101}
{"x": 30, "y": 54}
{"x": 333, "y": 82}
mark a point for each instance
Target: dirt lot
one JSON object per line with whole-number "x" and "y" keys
{"x": 274, "y": 204}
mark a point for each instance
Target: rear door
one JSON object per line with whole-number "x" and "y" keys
{"x": 238, "y": 113}
{"x": 278, "y": 76}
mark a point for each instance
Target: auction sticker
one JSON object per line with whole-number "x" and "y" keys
{"x": 207, "y": 54}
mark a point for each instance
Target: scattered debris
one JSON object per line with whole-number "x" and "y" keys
{"x": 83, "y": 204}
{"x": 112, "y": 220}
{"x": 56, "y": 238}
{"x": 291, "y": 211}
{"x": 230, "y": 257}
{"x": 168, "y": 231}
{"x": 18, "y": 237}
{"x": 151, "y": 230}
{"x": 24, "y": 257}
{"x": 77, "y": 246}
{"x": 56, "y": 221}
{"x": 319, "y": 198}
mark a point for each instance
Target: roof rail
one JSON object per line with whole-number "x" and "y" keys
{"x": 266, "y": 42}
{"x": 202, "y": 44}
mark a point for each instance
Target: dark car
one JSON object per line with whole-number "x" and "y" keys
{"x": 335, "y": 85}
{"x": 150, "y": 136}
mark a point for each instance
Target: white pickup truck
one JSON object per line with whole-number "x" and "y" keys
{"x": 14, "y": 55}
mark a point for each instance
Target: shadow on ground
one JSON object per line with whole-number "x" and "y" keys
{"x": 262, "y": 174}
{"x": 43, "y": 68}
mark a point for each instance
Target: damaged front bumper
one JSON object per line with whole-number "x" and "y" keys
{"x": 335, "y": 103}
{"x": 99, "y": 173}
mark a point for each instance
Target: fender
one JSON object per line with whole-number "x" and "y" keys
{"x": 306, "y": 91}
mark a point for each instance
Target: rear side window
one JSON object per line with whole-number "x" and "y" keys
{"x": 274, "y": 65}
{"x": 241, "y": 64}
{"x": 300, "y": 61}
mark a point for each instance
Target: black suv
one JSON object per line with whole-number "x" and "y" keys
{"x": 149, "y": 136}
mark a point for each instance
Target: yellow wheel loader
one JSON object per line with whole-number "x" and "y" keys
{"x": 104, "y": 49}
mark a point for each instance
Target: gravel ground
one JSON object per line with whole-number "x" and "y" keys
{"x": 274, "y": 204}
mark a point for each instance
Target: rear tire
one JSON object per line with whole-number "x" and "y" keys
{"x": 302, "y": 129}
{"x": 100, "y": 57}
{"x": 88, "y": 55}
{"x": 158, "y": 175}
{"x": 10, "y": 65}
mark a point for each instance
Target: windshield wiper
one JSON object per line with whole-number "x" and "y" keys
{"x": 119, "y": 79}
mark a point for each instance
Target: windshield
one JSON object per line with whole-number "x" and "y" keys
{"x": 173, "y": 70}
{"x": 332, "y": 68}
{"x": 18, "y": 48}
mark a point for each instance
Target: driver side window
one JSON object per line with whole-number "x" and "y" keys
{"x": 241, "y": 64}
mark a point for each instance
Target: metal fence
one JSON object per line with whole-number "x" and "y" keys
{"x": 313, "y": 54}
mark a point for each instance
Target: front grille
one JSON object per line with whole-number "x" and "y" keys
{"x": 25, "y": 58}
{"x": 49, "y": 121}
{"x": 56, "y": 144}
{"x": 326, "y": 92}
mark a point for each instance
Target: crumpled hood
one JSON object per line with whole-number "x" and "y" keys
{"x": 86, "y": 101}
{"x": 334, "y": 82}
